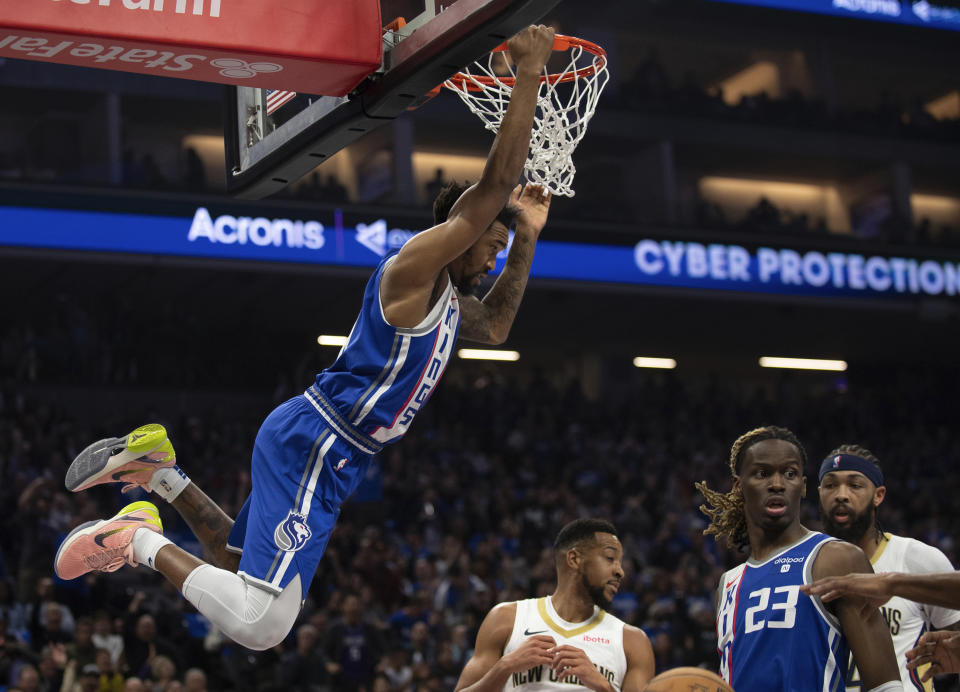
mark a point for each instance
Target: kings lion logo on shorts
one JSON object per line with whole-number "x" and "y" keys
{"x": 292, "y": 533}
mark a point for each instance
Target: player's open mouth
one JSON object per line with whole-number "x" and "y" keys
{"x": 775, "y": 507}
{"x": 841, "y": 516}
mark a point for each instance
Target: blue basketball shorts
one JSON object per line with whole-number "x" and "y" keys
{"x": 301, "y": 472}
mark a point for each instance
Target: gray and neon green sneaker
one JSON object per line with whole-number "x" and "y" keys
{"x": 130, "y": 460}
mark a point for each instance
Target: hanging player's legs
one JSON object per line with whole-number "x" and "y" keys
{"x": 146, "y": 459}
{"x": 300, "y": 475}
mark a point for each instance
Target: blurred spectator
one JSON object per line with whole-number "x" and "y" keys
{"x": 28, "y": 680}
{"x": 195, "y": 177}
{"x": 421, "y": 645}
{"x": 333, "y": 191}
{"x": 51, "y": 629}
{"x": 104, "y": 637}
{"x": 352, "y": 648}
{"x": 396, "y": 667}
{"x": 82, "y": 649}
{"x": 304, "y": 669}
{"x": 111, "y": 680}
{"x": 89, "y": 680}
{"x": 142, "y": 645}
{"x": 14, "y": 654}
{"x": 195, "y": 680}
{"x": 163, "y": 671}
{"x": 435, "y": 185}
{"x": 36, "y": 519}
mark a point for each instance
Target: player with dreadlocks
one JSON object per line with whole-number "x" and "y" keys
{"x": 770, "y": 636}
{"x": 851, "y": 491}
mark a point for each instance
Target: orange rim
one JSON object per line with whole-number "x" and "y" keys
{"x": 477, "y": 83}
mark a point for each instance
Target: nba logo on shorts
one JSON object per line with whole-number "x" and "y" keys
{"x": 292, "y": 533}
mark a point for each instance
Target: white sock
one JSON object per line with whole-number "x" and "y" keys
{"x": 146, "y": 545}
{"x": 168, "y": 483}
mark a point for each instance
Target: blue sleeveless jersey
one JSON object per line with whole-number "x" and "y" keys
{"x": 773, "y": 637}
{"x": 384, "y": 375}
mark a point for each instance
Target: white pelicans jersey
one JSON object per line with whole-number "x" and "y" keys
{"x": 908, "y": 620}
{"x": 600, "y": 637}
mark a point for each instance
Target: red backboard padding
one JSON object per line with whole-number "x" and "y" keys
{"x": 311, "y": 46}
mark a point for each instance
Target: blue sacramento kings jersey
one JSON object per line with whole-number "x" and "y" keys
{"x": 384, "y": 374}
{"x": 773, "y": 637}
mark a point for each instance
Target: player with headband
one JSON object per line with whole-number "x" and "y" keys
{"x": 852, "y": 489}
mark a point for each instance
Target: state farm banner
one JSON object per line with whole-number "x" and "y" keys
{"x": 299, "y": 45}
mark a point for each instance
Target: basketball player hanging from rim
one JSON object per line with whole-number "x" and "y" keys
{"x": 312, "y": 451}
{"x": 770, "y": 635}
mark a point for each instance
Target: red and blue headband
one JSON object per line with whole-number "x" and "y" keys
{"x": 851, "y": 462}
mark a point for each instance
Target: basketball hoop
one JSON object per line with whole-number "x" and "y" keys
{"x": 562, "y": 113}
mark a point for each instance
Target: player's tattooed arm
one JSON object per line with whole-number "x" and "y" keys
{"x": 209, "y": 524}
{"x": 489, "y": 320}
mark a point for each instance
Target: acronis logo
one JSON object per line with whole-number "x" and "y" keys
{"x": 292, "y": 533}
{"x": 260, "y": 231}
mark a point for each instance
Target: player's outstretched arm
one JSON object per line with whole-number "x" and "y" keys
{"x": 489, "y": 321}
{"x": 489, "y": 669}
{"x": 412, "y": 275}
{"x": 940, "y": 589}
{"x": 864, "y": 627}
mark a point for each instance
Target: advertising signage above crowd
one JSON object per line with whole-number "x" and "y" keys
{"x": 935, "y": 15}
{"x": 770, "y": 269}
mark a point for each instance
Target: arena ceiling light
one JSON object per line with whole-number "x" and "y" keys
{"x": 331, "y": 340}
{"x": 803, "y": 363}
{"x": 647, "y": 362}
{"x": 487, "y": 354}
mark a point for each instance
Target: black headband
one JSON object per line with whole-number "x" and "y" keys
{"x": 851, "y": 462}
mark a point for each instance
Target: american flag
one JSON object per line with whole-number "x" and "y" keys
{"x": 276, "y": 98}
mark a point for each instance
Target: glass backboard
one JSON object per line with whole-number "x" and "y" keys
{"x": 274, "y": 138}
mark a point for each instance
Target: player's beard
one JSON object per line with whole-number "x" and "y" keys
{"x": 467, "y": 288}
{"x": 855, "y": 529}
{"x": 596, "y": 594}
{"x": 465, "y": 283}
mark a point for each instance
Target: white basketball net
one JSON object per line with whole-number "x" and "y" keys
{"x": 563, "y": 111}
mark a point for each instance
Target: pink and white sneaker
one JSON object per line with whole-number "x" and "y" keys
{"x": 105, "y": 546}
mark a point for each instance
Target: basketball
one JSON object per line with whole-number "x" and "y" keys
{"x": 686, "y": 679}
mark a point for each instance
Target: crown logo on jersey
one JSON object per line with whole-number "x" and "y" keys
{"x": 292, "y": 533}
